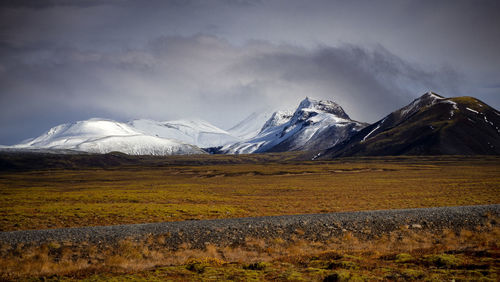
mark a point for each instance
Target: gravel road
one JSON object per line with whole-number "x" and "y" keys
{"x": 314, "y": 227}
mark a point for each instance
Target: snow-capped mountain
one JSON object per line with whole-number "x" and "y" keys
{"x": 314, "y": 125}
{"x": 196, "y": 132}
{"x": 104, "y": 136}
{"x": 430, "y": 125}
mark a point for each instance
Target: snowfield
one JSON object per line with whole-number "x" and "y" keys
{"x": 104, "y": 136}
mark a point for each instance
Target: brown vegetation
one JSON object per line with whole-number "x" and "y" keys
{"x": 402, "y": 254}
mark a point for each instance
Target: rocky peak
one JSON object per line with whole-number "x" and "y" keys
{"x": 310, "y": 105}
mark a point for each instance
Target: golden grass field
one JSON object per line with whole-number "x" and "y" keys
{"x": 51, "y": 198}
{"x": 402, "y": 255}
{"x": 185, "y": 188}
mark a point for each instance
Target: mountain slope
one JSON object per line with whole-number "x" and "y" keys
{"x": 104, "y": 136}
{"x": 430, "y": 125}
{"x": 313, "y": 125}
{"x": 250, "y": 126}
{"x": 196, "y": 132}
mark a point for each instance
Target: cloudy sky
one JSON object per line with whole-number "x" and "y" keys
{"x": 68, "y": 60}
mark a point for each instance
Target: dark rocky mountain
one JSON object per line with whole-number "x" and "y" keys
{"x": 430, "y": 125}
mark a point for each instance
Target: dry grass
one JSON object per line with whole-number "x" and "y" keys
{"x": 400, "y": 254}
{"x": 40, "y": 199}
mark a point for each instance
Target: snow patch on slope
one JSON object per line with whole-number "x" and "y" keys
{"x": 453, "y": 104}
{"x": 469, "y": 109}
{"x": 375, "y": 129}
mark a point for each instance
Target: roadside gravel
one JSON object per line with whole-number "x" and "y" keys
{"x": 315, "y": 227}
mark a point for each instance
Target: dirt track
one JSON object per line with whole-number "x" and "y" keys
{"x": 314, "y": 227}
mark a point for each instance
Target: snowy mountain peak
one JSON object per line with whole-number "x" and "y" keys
{"x": 69, "y": 134}
{"x": 432, "y": 95}
{"x": 307, "y": 102}
{"x": 428, "y": 99}
{"x": 325, "y": 106}
{"x": 313, "y": 125}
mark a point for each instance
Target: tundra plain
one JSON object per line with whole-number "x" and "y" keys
{"x": 75, "y": 191}
{"x": 185, "y": 189}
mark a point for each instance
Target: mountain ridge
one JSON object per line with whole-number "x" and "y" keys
{"x": 430, "y": 125}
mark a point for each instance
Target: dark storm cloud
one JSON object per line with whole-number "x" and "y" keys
{"x": 365, "y": 82}
{"x": 43, "y": 4}
{"x": 220, "y": 60}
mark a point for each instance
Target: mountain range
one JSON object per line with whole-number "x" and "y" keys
{"x": 429, "y": 125}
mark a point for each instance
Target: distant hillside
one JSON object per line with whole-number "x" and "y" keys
{"x": 430, "y": 125}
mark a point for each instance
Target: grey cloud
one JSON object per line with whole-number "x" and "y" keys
{"x": 220, "y": 60}
{"x": 368, "y": 83}
{"x": 207, "y": 77}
